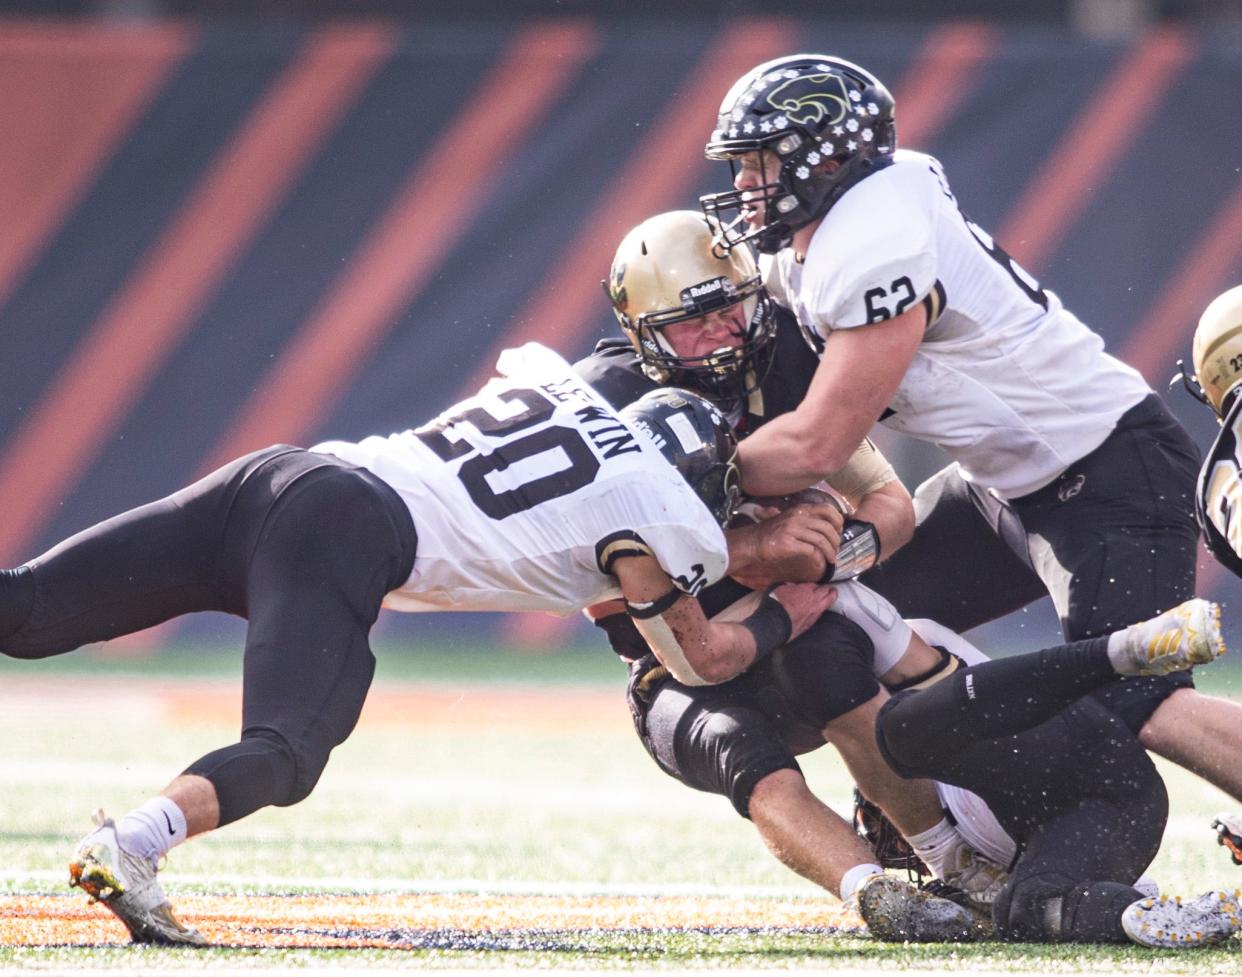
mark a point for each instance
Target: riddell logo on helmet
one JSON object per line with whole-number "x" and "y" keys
{"x": 812, "y": 99}
{"x": 707, "y": 288}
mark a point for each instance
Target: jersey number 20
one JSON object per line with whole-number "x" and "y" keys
{"x": 512, "y": 446}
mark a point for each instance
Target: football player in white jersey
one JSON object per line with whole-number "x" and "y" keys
{"x": 533, "y": 495}
{"x": 1217, "y": 357}
{"x": 1070, "y": 477}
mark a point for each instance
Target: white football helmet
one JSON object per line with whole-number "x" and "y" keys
{"x": 1217, "y": 350}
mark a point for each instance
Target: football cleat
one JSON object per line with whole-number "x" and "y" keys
{"x": 125, "y": 883}
{"x": 1180, "y": 638}
{"x": 898, "y": 912}
{"x": 1229, "y": 834}
{"x": 979, "y": 880}
{"x": 1168, "y": 922}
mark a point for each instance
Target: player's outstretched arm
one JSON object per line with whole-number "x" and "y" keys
{"x": 697, "y": 651}
{"x": 859, "y": 371}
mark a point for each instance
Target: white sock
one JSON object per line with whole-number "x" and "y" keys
{"x": 851, "y": 879}
{"x": 151, "y": 830}
{"x": 1119, "y": 653}
{"x": 938, "y": 847}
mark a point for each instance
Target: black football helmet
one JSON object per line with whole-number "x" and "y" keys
{"x": 695, "y": 437}
{"x": 667, "y": 270}
{"x": 809, "y": 110}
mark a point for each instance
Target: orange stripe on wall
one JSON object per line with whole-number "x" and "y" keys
{"x": 1213, "y": 265}
{"x": 410, "y": 242}
{"x": 156, "y": 307}
{"x": 70, "y": 94}
{"x": 939, "y": 77}
{"x": 661, "y": 171}
{"x": 1103, "y": 132}
{"x": 1166, "y": 333}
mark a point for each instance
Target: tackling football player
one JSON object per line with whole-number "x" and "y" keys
{"x": 1070, "y": 477}
{"x": 533, "y": 495}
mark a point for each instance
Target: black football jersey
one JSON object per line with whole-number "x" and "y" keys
{"x": 615, "y": 372}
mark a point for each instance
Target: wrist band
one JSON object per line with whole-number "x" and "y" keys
{"x": 770, "y": 626}
{"x": 652, "y": 608}
{"x": 858, "y": 552}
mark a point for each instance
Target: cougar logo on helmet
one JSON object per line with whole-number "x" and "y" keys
{"x": 616, "y": 290}
{"x": 813, "y": 106}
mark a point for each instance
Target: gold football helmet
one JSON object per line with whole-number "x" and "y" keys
{"x": 1217, "y": 350}
{"x": 666, "y": 271}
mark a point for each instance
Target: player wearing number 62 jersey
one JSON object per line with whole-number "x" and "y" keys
{"x": 1070, "y": 478}
{"x": 533, "y": 495}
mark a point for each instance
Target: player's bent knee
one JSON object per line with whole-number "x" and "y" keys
{"x": 730, "y": 752}
{"x": 1161, "y": 731}
{"x": 1029, "y": 910}
{"x": 901, "y": 743}
{"x": 261, "y": 770}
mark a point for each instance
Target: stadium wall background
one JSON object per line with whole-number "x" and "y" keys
{"x": 221, "y": 232}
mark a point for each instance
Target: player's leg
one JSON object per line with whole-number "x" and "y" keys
{"x": 966, "y": 564}
{"x": 337, "y": 541}
{"x": 324, "y": 553}
{"x": 985, "y": 702}
{"x": 1088, "y": 809}
{"x": 1202, "y": 733}
{"x": 717, "y": 739}
{"x": 129, "y": 572}
{"x": 1114, "y": 538}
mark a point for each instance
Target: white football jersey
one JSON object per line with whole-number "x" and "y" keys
{"x": 1006, "y": 380}
{"x": 524, "y": 494}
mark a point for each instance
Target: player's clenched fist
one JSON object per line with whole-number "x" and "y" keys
{"x": 785, "y": 543}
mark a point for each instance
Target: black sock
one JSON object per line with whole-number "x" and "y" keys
{"x": 1010, "y": 695}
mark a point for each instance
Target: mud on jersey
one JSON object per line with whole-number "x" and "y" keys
{"x": 523, "y": 495}
{"x": 1218, "y": 501}
{"x": 1007, "y": 381}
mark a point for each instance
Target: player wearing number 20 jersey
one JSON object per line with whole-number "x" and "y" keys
{"x": 522, "y": 494}
{"x": 534, "y": 495}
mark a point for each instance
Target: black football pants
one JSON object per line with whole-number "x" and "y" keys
{"x": 302, "y": 545}
{"x": 1062, "y": 774}
{"x": 1112, "y": 541}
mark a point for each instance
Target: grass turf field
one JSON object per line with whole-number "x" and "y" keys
{"x": 467, "y": 825}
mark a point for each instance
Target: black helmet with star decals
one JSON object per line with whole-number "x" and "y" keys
{"x": 829, "y": 124}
